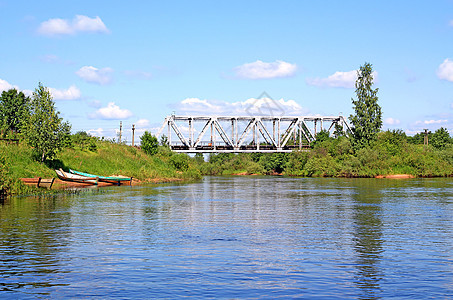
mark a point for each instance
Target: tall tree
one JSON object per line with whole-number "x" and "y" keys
{"x": 441, "y": 138}
{"x": 45, "y": 130}
{"x": 13, "y": 110}
{"x": 367, "y": 121}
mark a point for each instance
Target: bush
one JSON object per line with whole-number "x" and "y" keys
{"x": 391, "y": 142}
{"x": 274, "y": 162}
{"x": 5, "y": 180}
{"x": 149, "y": 143}
{"x": 320, "y": 166}
{"x": 296, "y": 163}
{"x": 180, "y": 161}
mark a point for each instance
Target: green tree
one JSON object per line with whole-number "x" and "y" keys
{"x": 45, "y": 131}
{"x": 417, "y": 138}
{"x": 367, "y": 120}
{"x": 321, "y": 136}
{"x": 391, "y": 142}
{"x": 13, "y": 110}
{"x": 149, "y": 143}
{"x": 164, "y": 140}
{"x": 199, "y": 158}
{"x": 441, "y": 138}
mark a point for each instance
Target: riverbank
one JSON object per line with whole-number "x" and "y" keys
{"x": 17, "y": 161}
{"x": 337, "y": 158}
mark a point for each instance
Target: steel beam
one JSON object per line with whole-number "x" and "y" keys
{"x": 245, "y": 133}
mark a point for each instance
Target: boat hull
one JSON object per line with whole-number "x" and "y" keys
{"x": 110, "y": 179}
{"x": 75, "y": 178}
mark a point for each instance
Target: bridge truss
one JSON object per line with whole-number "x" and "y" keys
{"x": 206, "y": 134}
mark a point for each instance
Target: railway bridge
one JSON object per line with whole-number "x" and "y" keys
{"x": 242, "y": 134}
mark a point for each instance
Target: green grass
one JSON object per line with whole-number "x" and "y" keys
{"x": 108, "y": 159}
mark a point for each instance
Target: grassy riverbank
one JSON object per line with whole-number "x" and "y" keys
{"x": 332, "y": 157}
{"x": 18, "y": 161}
{"x": 335, "y": 157}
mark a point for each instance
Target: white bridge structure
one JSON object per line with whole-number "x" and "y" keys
{"x": 235, "y": 134}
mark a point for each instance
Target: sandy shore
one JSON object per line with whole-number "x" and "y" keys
{"x": 396, "y": 176}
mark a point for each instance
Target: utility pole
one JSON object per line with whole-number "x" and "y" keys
{"x": 425, "y": 140}
{"x": 121, "y": 129}
{"x": 133, "y": 134}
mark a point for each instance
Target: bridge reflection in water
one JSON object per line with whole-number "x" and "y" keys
{"x": 208, "y": 134}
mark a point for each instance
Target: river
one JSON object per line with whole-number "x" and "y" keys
{"x": 233, "y": 237}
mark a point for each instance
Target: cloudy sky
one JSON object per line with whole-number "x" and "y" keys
{"x": 138, "y": 61}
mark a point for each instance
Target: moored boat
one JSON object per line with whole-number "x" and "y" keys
{"x": 112, "y": 179}
{"x": 76, "y": 178}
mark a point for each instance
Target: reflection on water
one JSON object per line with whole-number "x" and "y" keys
{"x": 368, "y": 240}
{"x": 233, "y": 237}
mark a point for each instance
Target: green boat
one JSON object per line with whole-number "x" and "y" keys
{"x": 111, "y": 179}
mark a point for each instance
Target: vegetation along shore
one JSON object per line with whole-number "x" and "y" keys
{"x": 35, "y": 141}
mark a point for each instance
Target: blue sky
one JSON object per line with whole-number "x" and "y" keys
{"x": 139, "y": 61}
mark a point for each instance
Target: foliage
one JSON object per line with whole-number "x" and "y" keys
{"x": 13, "y": 110}
{"x": 5, "y": 176}
{"x": 296, "y": 162}
{"x": 149, "y": 143}
{"x": 199, "y": 158}
{"x": 83, "y": 141}
{"x": 321, "y": 136}
{"x": 45, "y": 130}
{"x": 390, "y": 153}
{"x": 273, "y": 162}
{"x": 392, "y": 142}
{"x": 180, "y": 161}
{"x": 164, "y": 140}
{"x": 416, "y": 139}
{"x": 441, "y": 138}
{"x": 367, "y": 120}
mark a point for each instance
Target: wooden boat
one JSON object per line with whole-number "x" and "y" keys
{"x": 112, "y": 179}
{"x": 76, "y": 178}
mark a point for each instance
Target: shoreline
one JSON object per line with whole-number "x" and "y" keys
{"x": 388, "y": 176}
{"x": 63, "y": 185}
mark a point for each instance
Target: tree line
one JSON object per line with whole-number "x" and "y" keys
{"x": 366, "y": 151}
{"x": 36, "y": 121}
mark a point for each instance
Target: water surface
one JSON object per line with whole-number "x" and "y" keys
{"x": 233, "y": 237}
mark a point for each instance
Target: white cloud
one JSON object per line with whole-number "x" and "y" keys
{"x": 445, "y": 70}
{"x": 263, "y": 106}
{"x": 142, "y": 123}
{"x": 96, "y": 132}
{"x": 55, "y": 27}
{"x": 391, "y": 121}
{"x": 338, "y": 80}
{"x": 429, "y": 122}
{"x": 111, "y": 112}
{"x": 264, "y": 70}
{"x": 95, "y": 75}
{"x": 5, "y": 85}
{"x": 70, "y": 94}
{"x": 28, "y": 93}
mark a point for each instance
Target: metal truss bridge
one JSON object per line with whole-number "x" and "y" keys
{"x": 206, "y": 134}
